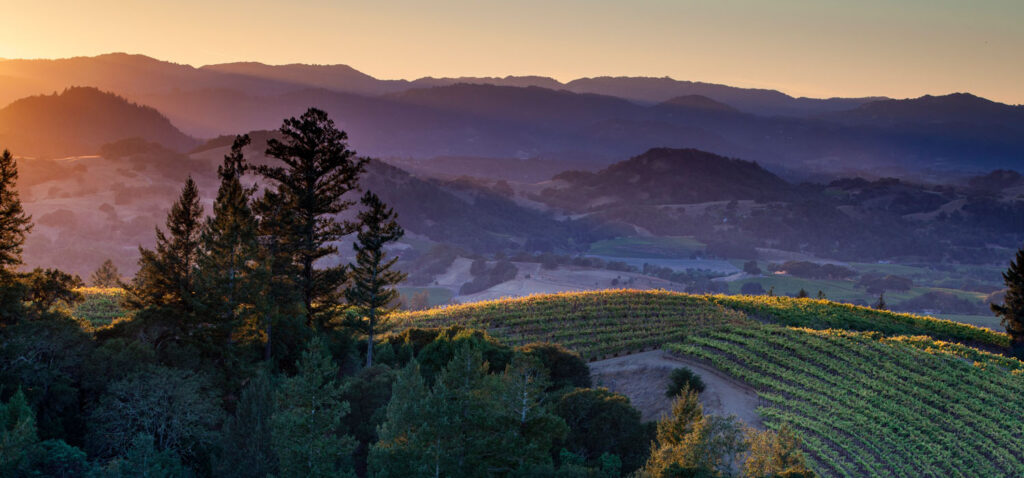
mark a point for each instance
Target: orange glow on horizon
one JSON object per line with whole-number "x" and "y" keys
{"x": 804, "y": 48}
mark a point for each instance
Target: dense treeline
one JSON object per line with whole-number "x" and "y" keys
{"x": 253, "y": 348}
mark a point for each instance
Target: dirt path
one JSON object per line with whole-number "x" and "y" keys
{"x": 643, "y": 378}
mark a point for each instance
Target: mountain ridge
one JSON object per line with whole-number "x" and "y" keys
{"x": 277, "y": 78}
{"x": 81, "y": 119}
{"x": 664, "y": 176}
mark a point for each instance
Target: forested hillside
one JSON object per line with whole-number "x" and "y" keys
{"x": 81, "y": 119}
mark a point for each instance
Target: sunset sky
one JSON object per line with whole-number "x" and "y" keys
{"x": 898, "y": 48}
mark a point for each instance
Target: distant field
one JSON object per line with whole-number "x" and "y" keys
{"x": 871, "y": 406}
{"x": 842, "y": 290}
{"x": 988, "y": 321}
{"x": 435, "y": 295}
{"x": 950, "y": 276}
{"x": 101, "y": 305}
{"x": 670, "y": 247}
{"x": 789, "y": 285}
{"x": 718, "y": 266}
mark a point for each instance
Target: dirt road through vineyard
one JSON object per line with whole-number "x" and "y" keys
{"x": 643, "y": 378}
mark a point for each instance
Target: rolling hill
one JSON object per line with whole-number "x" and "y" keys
{"x": 699, "y": 102}
{"x": 79, "y": 120}
{"x": 668, "y": 176}
{"x": 89, "y": 209}
{"x": 889, "y": 400}
{"x": 718, "y": 200}
{"x": 613, "y": 322}
{"x": 872, "y": 406}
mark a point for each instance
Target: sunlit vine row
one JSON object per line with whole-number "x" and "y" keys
{"x": 595, "y": 324}
{"x": 820, "y": 314}
{"x": 100, "y": 305}
{"x": 599, "y": 323}
{"x": 868, "y": 405}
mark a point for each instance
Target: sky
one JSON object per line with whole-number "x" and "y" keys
{"x": 823, "y": 48}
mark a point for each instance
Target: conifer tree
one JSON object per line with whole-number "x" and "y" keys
{"x": 166, "y": 275}
{"x": 689, "y": 443}
{"x": 469, "y": 421}
{"x": 821, "y": 295}
{"x": 398, "y": 451}
{"x": 17, "y": 433}
{"x": 1011, "y": 312}
{"x": 307, "y": 428}
{"x": 106, "y": 275}
{"x": 802, "y": 294}
{"x": 373, "y": 277}
{"x": 881, "y": 305}
{"x": 15, "y": 224}
{"x": 280, "y": 302}
{"x": 529, "y": 425}
{"x": 444, "y": 430}
{"x": 227, "y": 268}
{"x": 246, "y": 443}
{"x": 318, "y": 170}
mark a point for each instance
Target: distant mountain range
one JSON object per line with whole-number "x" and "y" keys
{"x": 138, "y": 75}
{"x": 593, "y": 120}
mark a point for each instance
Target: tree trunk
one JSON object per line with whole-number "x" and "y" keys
{"x": 369, "y": 341}
{"x": 267, "y": 348}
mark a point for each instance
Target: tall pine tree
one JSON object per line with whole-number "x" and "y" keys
{"x": 306, "y": 429}
{"x": 166, "y": 275}
{"x": 14, "y": 223}
{"x": 1012, "y": 310}
{"x": 280, "y": 303}
{"x": 229, "y": 275}
{"x": 14, "y": 226}
{"x": 318, "y": 170}
{"x": 373, "y": 277}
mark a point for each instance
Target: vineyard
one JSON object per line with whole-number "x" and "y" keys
{"x": 824, "y": 314}
{"x": 595, "y": 324}
{"x": 600, "y": 323}
{"x": 867, "y": 405}
{"x": 101, "y": 305}
{"x": 884, "y": 397}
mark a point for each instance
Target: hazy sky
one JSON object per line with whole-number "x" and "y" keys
{"x": 899, "y": 48}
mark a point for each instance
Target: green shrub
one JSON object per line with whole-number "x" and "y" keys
{"x": 567, "y": 369}
{"x": 682, "y": 378}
